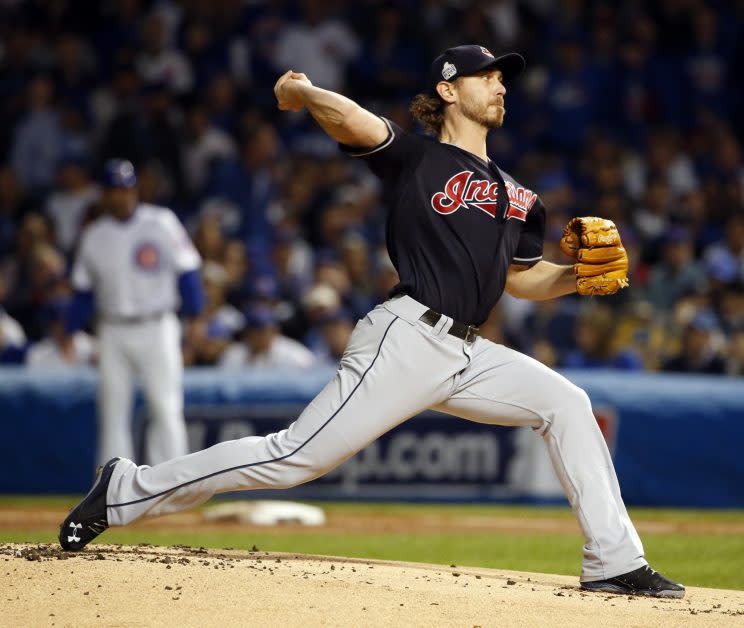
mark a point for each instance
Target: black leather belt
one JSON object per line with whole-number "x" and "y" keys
{"x": 468, "y": 333}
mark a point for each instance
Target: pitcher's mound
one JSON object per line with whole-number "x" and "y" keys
{"x": 109, "y": 585}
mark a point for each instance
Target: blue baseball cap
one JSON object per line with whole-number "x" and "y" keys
{"x": 677, "y": 235}
{"x": 118, "y": 173}
{"x": 263, "y": 286}
{"x": 721, "y": 266}
{"x": 471, "y": 59}
{"x": 334, "y": 316}
{"x": 704, "y": 321}
{"x": 259, "y": 316}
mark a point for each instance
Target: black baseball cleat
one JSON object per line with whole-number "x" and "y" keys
{"x": 88, "y": 519}
{"x": 641, "y": 581}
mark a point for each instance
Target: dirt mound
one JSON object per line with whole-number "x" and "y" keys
{"x": 181, "y": 586}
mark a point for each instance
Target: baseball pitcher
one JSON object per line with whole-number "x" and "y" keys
{"x": 460, "y": 231}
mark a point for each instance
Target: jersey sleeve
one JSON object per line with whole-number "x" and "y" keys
{"x": 82, "y": 275}
{"x": 183, "y": 253}
{"x": 530, "y": 247}
{"x": 389, "y": 158}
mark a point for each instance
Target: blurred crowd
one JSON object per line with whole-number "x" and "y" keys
{"x": 627, "y": 111}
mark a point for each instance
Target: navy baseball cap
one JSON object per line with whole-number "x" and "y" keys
{"x": 118, "y": 173}
{"x": 471, "y": 59}
{"x": 259, "y": 316}
{"x": 263, "y": 286}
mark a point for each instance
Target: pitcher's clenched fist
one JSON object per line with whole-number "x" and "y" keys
{"x": 287, "y": 90}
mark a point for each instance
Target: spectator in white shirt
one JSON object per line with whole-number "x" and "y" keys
{"x": 12, "y": 339}
{"x": 37, "y": 142}
{"x": 264, "y": 346}
{"x": 319, "y": 46}
{"x": 205, "y": 144}
{"x": 159, "y": 63}
{"x": 60, "y": 349}
{"x": 12, "y": 336}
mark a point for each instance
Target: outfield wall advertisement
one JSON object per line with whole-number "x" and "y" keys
{"x": 675, "y": 440}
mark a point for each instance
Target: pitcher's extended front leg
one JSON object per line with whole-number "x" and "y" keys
{"x": 364, "y": 400}
{"x": 534, "y": 395}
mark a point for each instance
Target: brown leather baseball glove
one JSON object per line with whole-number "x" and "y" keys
{"x": 602, "y": 262}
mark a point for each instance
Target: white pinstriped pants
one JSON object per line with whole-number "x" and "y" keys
{"x": 394, "y": 367}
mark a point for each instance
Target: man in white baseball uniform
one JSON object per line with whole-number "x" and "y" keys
{"x": 460, "y": 231}
{"x": 135, "y": 266}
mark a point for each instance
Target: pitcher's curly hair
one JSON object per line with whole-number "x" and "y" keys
{"x": 429, "y": 111}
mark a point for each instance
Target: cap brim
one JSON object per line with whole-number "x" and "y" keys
{"x": 511, "y": 65}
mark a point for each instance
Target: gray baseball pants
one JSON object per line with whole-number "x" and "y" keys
{"x": 396, "y": 366}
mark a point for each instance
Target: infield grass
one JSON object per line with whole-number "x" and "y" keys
{"x": 709, "y": 559}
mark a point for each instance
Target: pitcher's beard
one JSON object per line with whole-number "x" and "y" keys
{"x": 498, "y": 119}
{"x": 483, "y": 115}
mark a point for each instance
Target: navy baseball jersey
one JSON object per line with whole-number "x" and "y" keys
{"x": 455, "y": 223}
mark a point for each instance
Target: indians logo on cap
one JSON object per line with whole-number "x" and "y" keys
{"x": 448, "y": 70}
{"x": 486, "y": 51}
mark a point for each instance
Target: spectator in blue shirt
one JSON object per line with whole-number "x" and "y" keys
{"x": 595, "y": 344}
{"x": 569, "y": 97}
{"x": 700, "y": 351}
{"x": 249, "y": 181}
{"x": 677, "y": 273}
{"x": 38, "y": 140}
